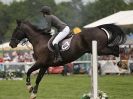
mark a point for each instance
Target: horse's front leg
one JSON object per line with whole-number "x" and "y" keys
{"x": 28, "y": 83}
{"x": 39, "y": 78}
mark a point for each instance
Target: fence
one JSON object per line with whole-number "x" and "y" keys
{"x": 24, "y": 66}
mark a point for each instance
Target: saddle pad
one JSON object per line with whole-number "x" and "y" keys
{"x": 65, "y": 44}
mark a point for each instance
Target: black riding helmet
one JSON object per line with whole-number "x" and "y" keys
{"x": 46, "y": 10}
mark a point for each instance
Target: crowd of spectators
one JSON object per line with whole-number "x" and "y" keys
{"x": 106, "y": 57}
{"x": 125, "y": 54}
{"x": 18, "y": 56}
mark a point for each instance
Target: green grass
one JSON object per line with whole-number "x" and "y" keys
{"x": 69, "y": 87}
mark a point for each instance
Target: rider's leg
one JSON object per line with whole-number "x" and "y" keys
{"x": 57, "y": 53}
{"x": 57, "y": 39}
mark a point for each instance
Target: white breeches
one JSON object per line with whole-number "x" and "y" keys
{"x": 61, "y": 35}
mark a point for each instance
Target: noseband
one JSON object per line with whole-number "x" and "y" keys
{"x": 15, "y": 40}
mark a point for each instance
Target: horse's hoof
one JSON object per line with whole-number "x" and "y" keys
{"x": 33, "y": 96}
{"x": 30, "y": 88}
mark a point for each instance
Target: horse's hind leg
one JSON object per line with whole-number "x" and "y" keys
{"x": 114, "y": 50}
{"x": 39, "y": 78}
{"x": 28, "y": 83}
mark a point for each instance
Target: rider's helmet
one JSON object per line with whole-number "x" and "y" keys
{"x": 46, "y": 9}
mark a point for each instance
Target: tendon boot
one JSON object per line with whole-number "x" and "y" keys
{"x": 58, "y": 57}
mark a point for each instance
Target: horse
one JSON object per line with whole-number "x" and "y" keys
{"x": 108, "y": 37}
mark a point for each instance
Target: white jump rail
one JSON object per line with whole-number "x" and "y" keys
{"x": 94, "y": 71}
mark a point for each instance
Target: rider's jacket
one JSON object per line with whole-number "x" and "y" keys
{"x": 53, "y": 21}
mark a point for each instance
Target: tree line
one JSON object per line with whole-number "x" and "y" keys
{"x": 74, "y": 13}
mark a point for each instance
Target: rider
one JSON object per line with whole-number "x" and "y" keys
{"x": 62, "y": 28}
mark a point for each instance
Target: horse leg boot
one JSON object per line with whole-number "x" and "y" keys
{"x": 39, "y": 78}
{"x": 28, "y": 83}
{"x": 58, "y": 57}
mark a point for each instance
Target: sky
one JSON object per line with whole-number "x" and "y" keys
{"x": 57, "y": 1}
{"x": 7, "y": 1}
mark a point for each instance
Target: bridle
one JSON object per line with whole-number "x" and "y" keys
{"x": 22, "y": 38}
{"x": 15, "y": 40}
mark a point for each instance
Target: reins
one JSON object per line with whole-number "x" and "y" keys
{"x": 25, "y": 42}
{"x": 29, "y": 47}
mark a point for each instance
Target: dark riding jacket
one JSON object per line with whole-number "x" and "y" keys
{"x": 53, "y": 21}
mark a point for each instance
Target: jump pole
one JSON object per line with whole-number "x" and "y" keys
{"x": 94, "y": 93}
{"x": 94, "y": 79}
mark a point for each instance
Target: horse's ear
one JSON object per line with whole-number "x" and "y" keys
{"x": 18, "y": 22}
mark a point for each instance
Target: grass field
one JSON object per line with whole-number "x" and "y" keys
{"x": 69, "y": 87}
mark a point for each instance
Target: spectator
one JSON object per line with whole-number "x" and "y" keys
{"x": 15, "y": 57}
{"x": 67, "y": 69}
{"x": 21, "y": 57}
{"x": 27, "y": 57}
{"x": 6, "y": 57}
{"x": 1, "y": 60}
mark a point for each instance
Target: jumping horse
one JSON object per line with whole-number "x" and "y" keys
{"x": 108, "y": 36}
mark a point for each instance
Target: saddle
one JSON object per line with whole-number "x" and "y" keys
{"x": 63, "y": 44}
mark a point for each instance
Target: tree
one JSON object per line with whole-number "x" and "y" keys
{"x": 74, "y": 13}
{"x": 103, "y": 8}
{"x": 4, "y": 20}
{"x": 71, "y": 12}
{"x": 27, "y": 10}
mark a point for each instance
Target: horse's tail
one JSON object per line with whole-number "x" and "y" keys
{"x": 118, "y": 37}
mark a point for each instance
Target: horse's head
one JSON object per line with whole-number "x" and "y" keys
{"x": 17, "y": 35}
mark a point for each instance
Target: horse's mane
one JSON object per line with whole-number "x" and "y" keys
{"x": 36, "y": 28}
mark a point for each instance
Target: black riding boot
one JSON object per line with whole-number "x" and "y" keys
{"x": 58, "y": 57}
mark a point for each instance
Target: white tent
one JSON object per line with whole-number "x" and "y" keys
{"x": 122, "y": 18}
{"x": 5, "y": 46}
{"x": 109, "y": 68}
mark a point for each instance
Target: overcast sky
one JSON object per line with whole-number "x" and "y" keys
{"x": 7, "y": 1}
{"x": 57, "y": 1}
